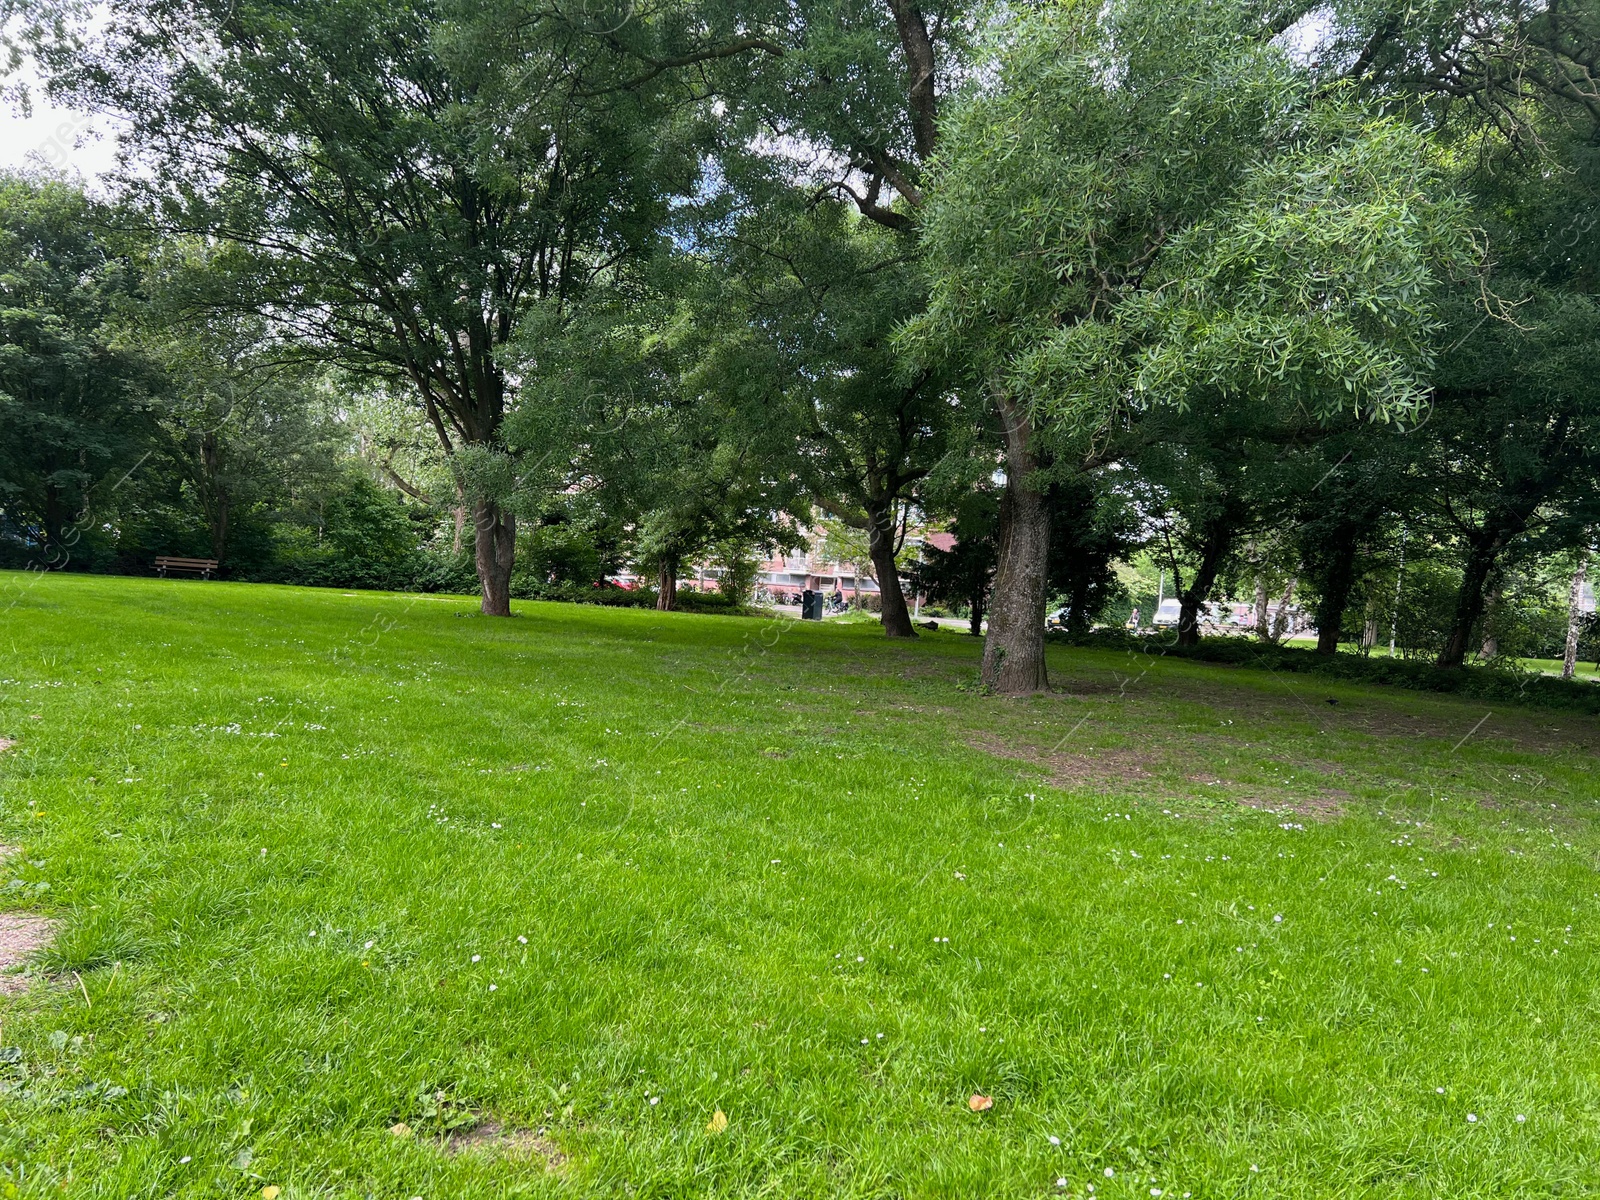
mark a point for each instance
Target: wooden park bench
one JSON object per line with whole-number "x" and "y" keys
{"x": 167, "y": 562}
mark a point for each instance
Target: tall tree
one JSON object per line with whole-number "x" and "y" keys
{"x": 1344, "y": 494}
{"x": 841, "y": 106}
{"x": 242, "y": 427}
{"x": 1514, "y": 91}
{"x": 802, "y": 313}
{"x": 626, "y": 414}
{"x": 401, "y": 186}
{"x": 962, "y": 570}
{"x": 1510, "y": 444}
{"x": 1151, "y": 204}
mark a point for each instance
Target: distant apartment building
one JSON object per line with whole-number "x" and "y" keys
{"x": 812, "y": 570}
{"x": 788, "y": 575}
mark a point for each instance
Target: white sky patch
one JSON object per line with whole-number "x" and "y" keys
{"x": 1305, "y": 39}
{"x": 45, "y": 136}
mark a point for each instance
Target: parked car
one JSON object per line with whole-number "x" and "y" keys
{"x": 1213, "y": 616}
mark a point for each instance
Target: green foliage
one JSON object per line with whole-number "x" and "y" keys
{"x": 797, "y": 322}
{"x": 1149, "y": 205}
{"x": 1091, "y": 529}
{"x": 559, "y": 553}
{"x": 739, "y": 565}
{"x": 78, "y": 408}
{"x": 364, "y": 538}
{"x": 620, "y": 409}
{"x": 365, "y": 523}
{"x": 963, "y": 575}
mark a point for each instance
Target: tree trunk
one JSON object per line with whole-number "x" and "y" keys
{"x": 975, "y": 615}
{"x": 1569, "y": 661}
{"x": 1469, "y": 601}
{"x": 667, "y": 585}
{"x": 494, "y": 544}
{"x": 895, "y": 617}
{"x": 1336, "y": 582}
{"x": 1189, "y": 617}
{"x": 214, "y": 500}
{"x": 219, "y": 528}
{"x": 1280, "y": 623}
{"x": 1219, "y": 540}
{"x": 1013, "y": 654}
{"x": 1263, "y": 628}
{"x": 1490, "y": 646}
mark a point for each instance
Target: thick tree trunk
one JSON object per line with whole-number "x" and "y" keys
{"x": 1469, "y": 601}
{"x": 1013, "y": 654}
{"x": 1569, "y": 661}
{"x": 667, "y": 585}
{"x": 1189, "y": 617}
{"x": 1263, "y": 627}
{"x": 1334, "y": 598}
{"x": 494, "y": 545}
{"x": 975, "y": 615}
{"x": 896, "y": 617}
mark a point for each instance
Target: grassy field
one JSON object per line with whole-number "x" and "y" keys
{"x": 368, "y": 896}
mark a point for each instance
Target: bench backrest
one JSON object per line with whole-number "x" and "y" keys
{"x": 167, "y": 560}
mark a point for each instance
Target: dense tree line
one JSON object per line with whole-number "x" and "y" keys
{"x": 1284, "y": 302}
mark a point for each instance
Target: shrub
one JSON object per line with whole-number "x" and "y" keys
{"x": 558, "y": 554}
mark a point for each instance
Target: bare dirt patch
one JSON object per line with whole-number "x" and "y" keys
{"x": 1078, "y": 768}
{"x": 20, "y": 935}
{"x": 6, "y": 744}
{"x": 491, "y": 1137}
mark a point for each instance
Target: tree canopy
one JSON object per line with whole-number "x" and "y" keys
{"x": 1258, "y": 303}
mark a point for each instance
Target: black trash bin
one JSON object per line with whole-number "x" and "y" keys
{"x": 811, "y": 605}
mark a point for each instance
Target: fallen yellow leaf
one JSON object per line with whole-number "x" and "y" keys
{"x": 270, "y": 1192}
{"x": 981, "y": 1103}
{"x": 400, "y": 1129}
{"x": 718, "y": 1122}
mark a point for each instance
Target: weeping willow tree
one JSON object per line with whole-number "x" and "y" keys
{"x": 1153, "y": 205}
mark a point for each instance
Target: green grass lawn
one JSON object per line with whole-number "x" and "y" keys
{"x": 1552, "y": 666}
{"x": 550, "y": 893}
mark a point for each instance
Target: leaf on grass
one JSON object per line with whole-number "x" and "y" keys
{"x": 400, "y": 1129}
{"x": 270, "y": 1192}
{"x": 980, "y": 1103}
{"x": 718, "y": 1122}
